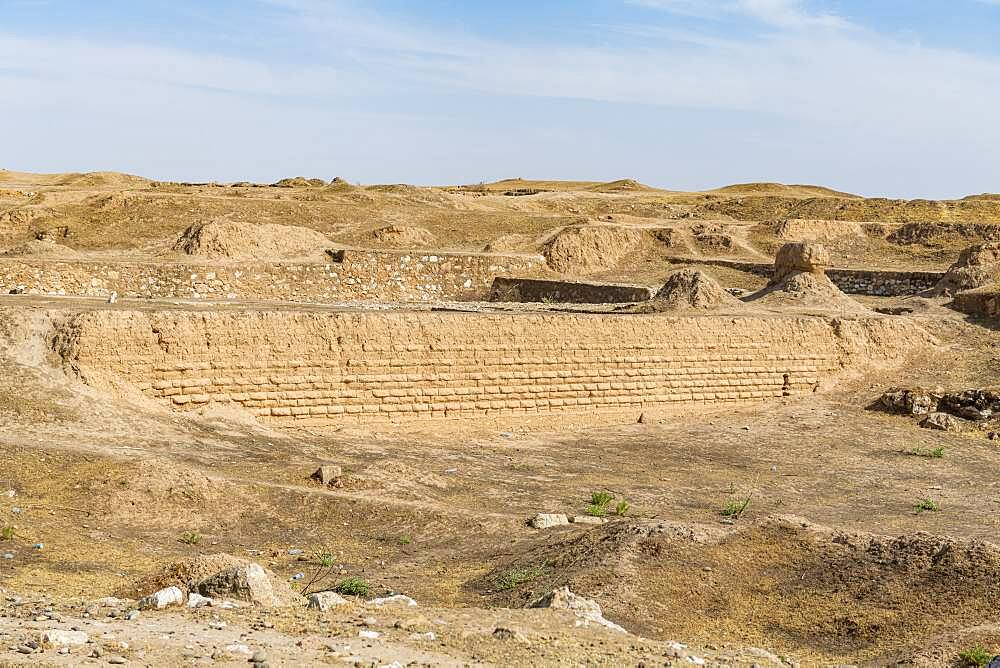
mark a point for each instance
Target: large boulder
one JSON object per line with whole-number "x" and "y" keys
{"x": 913, "y": 401}
{"x": 251, "y": 583}
{"x": 799, "y": 257}
{"x": 584, "y": 608}
{"x": 976, "y": 267}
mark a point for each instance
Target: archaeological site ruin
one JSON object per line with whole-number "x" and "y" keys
{"x": 516, "y": 423}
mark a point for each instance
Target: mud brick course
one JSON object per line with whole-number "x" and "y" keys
{"x": 332, "y": 366}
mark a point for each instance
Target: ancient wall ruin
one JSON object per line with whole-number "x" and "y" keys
{"x": 573, "y": 292}
{"x": 349, "y": 275}
{"x": 330, "y": 366}
{"x": 873, "y": 282}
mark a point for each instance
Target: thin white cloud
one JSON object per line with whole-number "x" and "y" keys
{"x": 777, "y": 13}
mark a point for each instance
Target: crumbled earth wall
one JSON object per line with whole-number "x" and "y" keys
{"x": 354, "y": 274}
{"x": 331, "y": 366}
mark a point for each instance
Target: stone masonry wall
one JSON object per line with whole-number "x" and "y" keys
{"x": 350, "y": 275}
{"x": 332, "y": 366}
{"x": 574, "y": 292}
{"x": 852, "y": 281}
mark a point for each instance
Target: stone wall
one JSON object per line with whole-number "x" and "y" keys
{"x": 574, "y": 292}
{"x": 873, "y": 282}
{"x": 331, "y": 366}
{"x": 350, "y": 275}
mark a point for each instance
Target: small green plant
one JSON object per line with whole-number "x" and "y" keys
{"x": 601, "y": 498}
{"x": 518, "y": 576}
{"x": 325, "y": 560}
{"x": 931, "y": 453}
{"x": 353, "y": 586}
{"x": 190, "y": 538}
{"x": 405, "y": 540}
{"x": 975, "y": 657}
{"x": 8, "y": 533}
{"x": 927, "y": 504}
{"x": 735, "y": 507}
{"x": 622, "y": 508}
{"x": 595, "y": 510}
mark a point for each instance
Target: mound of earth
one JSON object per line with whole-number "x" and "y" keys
{"x": 299, "y": 182}
{"x": 816, "y": 230}
{"x": 590, "y": 248}
{"x": 852, "y": 595}
{"x": 251, "y": 241}
{"x": 806, "y": 289}
{"x": 163, "y": 493}
{"x": 621, "y": 186}
{"x": 403, "y": 236}
{"x": 976, "y": 267}
{"x": 100, "y": 180}
{"x": 689, "y": 289}
{"x": 779, "y": 189}
{"x": 41, "y": 248}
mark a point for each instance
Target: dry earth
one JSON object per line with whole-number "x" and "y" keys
{"x": 829, "y": 562}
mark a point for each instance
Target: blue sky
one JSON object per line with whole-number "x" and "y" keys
{"x": 880, "y": 97}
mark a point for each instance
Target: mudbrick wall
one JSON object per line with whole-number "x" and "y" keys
{"x": 351, "y": 274}
{"x": 391, "y": 365}
{"x": 575, "y": 292}
{"x": 852, "y": 281}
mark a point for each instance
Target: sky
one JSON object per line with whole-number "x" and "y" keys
{"x": 896, "y": 98}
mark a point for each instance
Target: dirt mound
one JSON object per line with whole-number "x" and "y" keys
{"x": 976, "y": 267}
{"x": 621, "y": 186}
{"x": 161, "y": 492}
{"x": 41, "y": 248}
{"x": 689, "y": 289}
{"x": 780, "y": 189}
{"x": 816, "y": 230}
{"x": 827, "y": 592}
{"x": 299, "y": 182}
{"x": 806, "y": 289}
{"x": 403, "y": 236}
{"x": 250, "y": 241}
{"x": 100, "y": 180}
{"x": 590, "y": 248}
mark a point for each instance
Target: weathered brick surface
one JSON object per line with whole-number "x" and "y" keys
{"x": 288, "y": 366}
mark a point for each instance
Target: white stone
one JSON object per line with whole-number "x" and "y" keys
{"x": 162, "y": 599}
{"x": 586, "y": 609}
{"x": 370, "y": 635}
{"x": 588, "y": 519}
{"x": 398, "y": 598}
{"x": 60, "y": 638}
{"x": 196, "y": 600}
{"x": 325, "y": 600}
{"x": 546, "y": 520}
